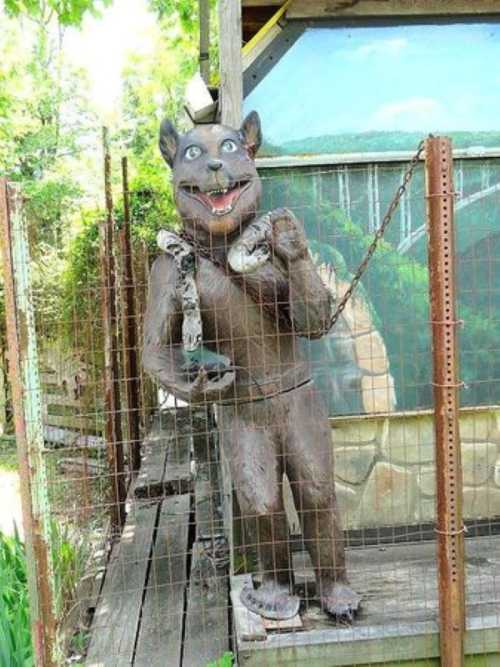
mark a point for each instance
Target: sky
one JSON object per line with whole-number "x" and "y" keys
{"x": 101, "y": 47}
{"x": 411, "y": 78}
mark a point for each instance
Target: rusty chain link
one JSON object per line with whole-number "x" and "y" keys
{"x": 378, "y": 235}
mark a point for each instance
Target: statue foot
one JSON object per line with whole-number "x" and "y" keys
{"x": 340, "y": 601}
{"x": 270, "y": 600}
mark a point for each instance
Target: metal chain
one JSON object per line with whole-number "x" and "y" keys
{"x": 378, "y": 235}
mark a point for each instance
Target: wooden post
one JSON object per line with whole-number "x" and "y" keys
{"x": 204, "y": 18}
{"x": 112, "y": 407}
{"x": 129, "y": 327}
{"x": 27, "y": 406}
{"x": 149, "y": 393}
{"x": 450, "y": 538}
{"x": 231, "y": 69}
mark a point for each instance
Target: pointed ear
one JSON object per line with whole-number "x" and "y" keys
{"x": 251, "y": 134}
{"x": 169, "y": 140}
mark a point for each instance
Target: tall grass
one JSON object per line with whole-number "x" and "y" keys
{"x": 69, "y": 557}
{"x": 15, "y": 633}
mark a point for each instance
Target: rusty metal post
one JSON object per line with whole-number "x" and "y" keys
{"x": 129, "y": 326}
{"x": 449, "y": 530}
{"x": 112, "y": 407}
{"x": 27, "y": 401}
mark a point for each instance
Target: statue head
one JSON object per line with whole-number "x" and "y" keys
{"x": 216, "y": 185}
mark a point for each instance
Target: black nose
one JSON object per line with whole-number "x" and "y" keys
{"x": 214, "y": 165}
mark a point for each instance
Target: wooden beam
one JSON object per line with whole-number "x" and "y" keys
{"x": 204, "y": 13}
{"x": 116, "y": 620}
{"x": 337, "y": 8}
{"x": 231, "y": 78}
{"x": 207, "y": 633}
{"x": 159, "y": 641}
{"x": 339, "y": 159}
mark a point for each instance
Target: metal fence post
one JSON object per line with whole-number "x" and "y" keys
{"x": 27, "y": 405}
{"x": 450, "y": 528}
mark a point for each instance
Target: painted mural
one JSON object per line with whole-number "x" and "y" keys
{"x": 379, "y": 88}
{"x": 378, "y": 358}
{"x": 383, "y": 88}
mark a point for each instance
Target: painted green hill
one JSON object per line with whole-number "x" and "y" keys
{"x": 367, "y": 142}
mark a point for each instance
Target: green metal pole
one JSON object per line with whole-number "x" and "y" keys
{"x": 27, "y": 405}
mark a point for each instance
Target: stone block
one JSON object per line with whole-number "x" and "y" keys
{"x": 371, "y": 353}
{"x": 426, "y": 510}
{"x": 409, "y": 440}
{"x": 348, "y": 501}
{"x": 361, "y": 431}
{"x": 478, "y": 462}
{"x": 378, "y": 393}
{"x": 388, "y": 497}
{"x": 495, "y": 426}
{"x": 496, "y": 474}
{"x": 481, "y": 502}
{"x": 352, "y": 464}
{"x": 476, "y": 426}
{"x": 356, "y": 314}
{"x": 426, "y": 480}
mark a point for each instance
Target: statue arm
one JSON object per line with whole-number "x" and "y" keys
{"x": 163, "y": 349}
{"x": 310, "y": 301}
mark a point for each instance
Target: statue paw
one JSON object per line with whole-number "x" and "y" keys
{"x": 271, "y": 600}
{"x": 340, "y": 601}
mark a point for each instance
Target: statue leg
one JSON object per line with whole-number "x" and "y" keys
{"x": 309, "y": 466}
{"x": 251, "y": 446}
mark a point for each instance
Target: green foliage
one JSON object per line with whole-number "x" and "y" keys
{"x": 69, "y": 558}
{"x": 68, "y": 12}
{"x": 399, "y": 288}
{"x": 8, "y": 454}
{"x": 70, "y": 555}
{"x": 224, "y": 661}
{"x": 370, "y": 142}
{"x": 44, "y": 124}
{"x": 15, "y": 626}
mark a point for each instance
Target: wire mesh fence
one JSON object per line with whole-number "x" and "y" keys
{"x": 176, "y": 532}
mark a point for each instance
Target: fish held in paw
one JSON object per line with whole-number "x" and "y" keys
{"x": 340, "y": 601}
{"x": 271, "y": 600}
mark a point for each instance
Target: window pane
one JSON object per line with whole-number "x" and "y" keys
{"x": 380, "y": 88}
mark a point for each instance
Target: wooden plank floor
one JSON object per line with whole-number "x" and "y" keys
{"x": 399, "y": 616}
{"x": 165, "y": 597}
{"x": 164, "y": 601}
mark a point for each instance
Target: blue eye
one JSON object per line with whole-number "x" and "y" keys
{"x": 229, "y": 146}
{"x": 192, "y": 152}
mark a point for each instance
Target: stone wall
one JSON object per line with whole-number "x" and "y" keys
{"x": 385, "y": 471}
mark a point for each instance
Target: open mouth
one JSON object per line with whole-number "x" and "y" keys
{"x": 219, "y": 202}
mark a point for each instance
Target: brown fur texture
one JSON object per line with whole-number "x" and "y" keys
{"x": 271, "y": 418}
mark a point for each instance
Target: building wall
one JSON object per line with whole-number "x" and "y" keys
{"x": 385, "y": 470}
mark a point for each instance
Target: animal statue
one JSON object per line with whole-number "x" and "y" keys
{"x": 229, "y": 298}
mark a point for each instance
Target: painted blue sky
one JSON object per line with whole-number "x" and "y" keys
{"x": 425, "y": 78}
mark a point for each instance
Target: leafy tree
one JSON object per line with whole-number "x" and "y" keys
{"x": 44, "y": 122}
{"x": 67, "y": 12}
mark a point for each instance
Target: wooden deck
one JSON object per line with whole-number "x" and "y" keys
{"x": 399, "y": 616}
{"x": 165, "y": 599}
